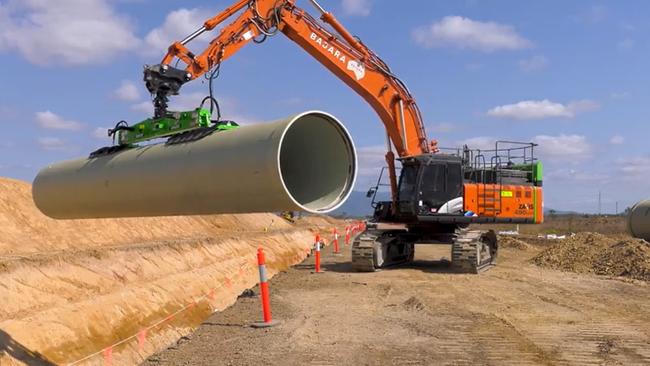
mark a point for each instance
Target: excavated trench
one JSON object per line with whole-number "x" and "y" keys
{"x": 71, "y": 289}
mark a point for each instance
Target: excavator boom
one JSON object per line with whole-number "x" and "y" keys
{"x": 340, "y": 52}
{"x": 343, "y": 54}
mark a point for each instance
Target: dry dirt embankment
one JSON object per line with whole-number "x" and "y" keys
{"x": 70, "y": 288}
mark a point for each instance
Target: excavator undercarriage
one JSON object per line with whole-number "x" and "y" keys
{"x": 472, "y": 251}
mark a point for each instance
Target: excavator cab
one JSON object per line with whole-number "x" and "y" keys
{"x": 427, "y": 183}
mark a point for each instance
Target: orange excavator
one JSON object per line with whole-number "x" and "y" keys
{"x": 437, "y": 196}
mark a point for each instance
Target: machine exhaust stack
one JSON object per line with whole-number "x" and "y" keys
{"x": 306, "y": 162}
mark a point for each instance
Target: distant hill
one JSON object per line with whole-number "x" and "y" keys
{"x": 549, "y": 211}
{"x": 358, "y": 205}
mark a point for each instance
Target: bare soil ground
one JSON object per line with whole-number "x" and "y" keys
{"x": 517, "y": 313}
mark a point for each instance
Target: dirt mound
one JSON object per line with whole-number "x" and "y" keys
{"x": 514, "y": 243}
{"x": 599, "y": 254}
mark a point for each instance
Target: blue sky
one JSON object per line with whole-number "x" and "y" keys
{"x": 571, "y": 76}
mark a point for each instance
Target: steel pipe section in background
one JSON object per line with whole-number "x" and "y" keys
{"x": 638, "y": 220}
{"x": 307, "y": 162}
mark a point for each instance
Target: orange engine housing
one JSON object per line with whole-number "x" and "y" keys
{"x": 504, "y": 201}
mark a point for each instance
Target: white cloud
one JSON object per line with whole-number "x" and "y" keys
{"x": 177, "y": 25}
{"x": 534, "y": 63}
{"x": 240, "y": 119}
{"x": 181, "y": 102}
{"x": 627, "y": 27}
{"x": 595, "y": 14}
{"x": 5, "y": 23}
{"x": 71, "y": 32}
{"x": 480, "y": 143}
{"x": 356, "y": 7}
{"x": 619, "y": 95}
{"x": 15, "y": 166}
{"x": 7, "y": 112}
{"x": 626, "y": 43}
{"x": 229, "y": 108}
{"x": 100, "y": 133}
{"x": 443, "y": 127}
{"x": 464, "y": 33}
{"x": 539, "y": 109}
{"x": 563, "y": 148}
{"x": 143, "y": 107}
{"x": 474, "y": 67}
{"x": 635, "y": 166}
{"x": 52, "y": 144}
{"x": 371, "y": 160}
{"x": 575, "y": 175}
{"x": 584, "y": 105}
{"x": 187, "y": 101}
{"x": 127, "y": 91}
{"x": 293, "y": 101}
{"x": 557, "y": 149}
{"x": 617, "y": 140}
{"x": 53, "y": 121}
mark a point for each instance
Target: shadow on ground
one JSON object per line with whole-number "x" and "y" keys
{"x": 19, "y": 352}
{"x": 427, "y": 266}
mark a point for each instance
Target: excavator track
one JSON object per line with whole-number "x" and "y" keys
{"x": 363, "y": 252}
{"x": 375, "y": 249}
{"x": 474, "y": 251}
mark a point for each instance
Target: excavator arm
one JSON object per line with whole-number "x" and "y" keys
{"x": 340, "y": 52}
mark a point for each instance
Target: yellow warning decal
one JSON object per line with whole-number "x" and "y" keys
{"x": 506, "y": 193}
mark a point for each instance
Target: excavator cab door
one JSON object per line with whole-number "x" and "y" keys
{"x": 427, "y": 182}
{"x": 408, "y": 189}
{"x": 440, "y": 182}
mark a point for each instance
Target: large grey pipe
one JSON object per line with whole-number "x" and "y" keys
{"x": 638, "y": 220}
{"x": 306, "y": 162}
